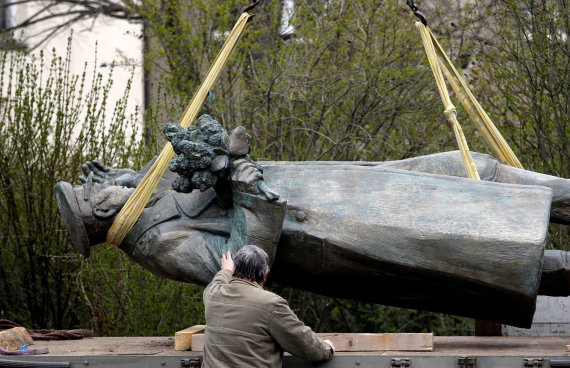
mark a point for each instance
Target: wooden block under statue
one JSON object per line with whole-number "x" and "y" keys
{"x": 183, "y": 339}
{"x": 362, "y": 341}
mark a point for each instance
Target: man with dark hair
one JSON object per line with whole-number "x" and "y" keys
{"x": 247, "y": 326}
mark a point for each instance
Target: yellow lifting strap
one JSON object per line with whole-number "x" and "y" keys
{"x": 483, "y": 123}
{"x": 131, "y": 211}
{"x": 450, "y": 111}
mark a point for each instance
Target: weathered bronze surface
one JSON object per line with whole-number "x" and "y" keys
{"x": 386, "y": 232}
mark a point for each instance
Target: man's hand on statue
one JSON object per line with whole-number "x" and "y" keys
{"x": 331, "y": 345}
{"x": 106, "y": 175}
{"x": 246, "y": 177}
{"x": 227, "y": 262}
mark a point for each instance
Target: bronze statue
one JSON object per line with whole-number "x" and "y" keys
{"x": 409, "y": 233}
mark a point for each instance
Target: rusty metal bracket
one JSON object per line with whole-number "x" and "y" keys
{"x": 467, "y": 362}
{"x": 401, "y": 362}
{"x": 191, "y": 363}
{"x": 533, "y": 362}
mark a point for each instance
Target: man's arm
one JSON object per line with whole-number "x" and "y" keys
{"x": 296, "y": 338}
{"x": 223, "y": 276}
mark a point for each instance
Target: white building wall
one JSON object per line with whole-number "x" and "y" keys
{"x": 552, "y": 318}
{"x": 101, "y": 40}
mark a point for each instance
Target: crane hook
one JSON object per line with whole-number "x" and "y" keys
{"x": 417, "y": 12}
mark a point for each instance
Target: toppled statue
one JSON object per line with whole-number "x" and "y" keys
{"x": 408, "y": 233}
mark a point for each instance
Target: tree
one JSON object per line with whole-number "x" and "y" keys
{"x": 50, "y": 123}
{"x": 52, "y": 17}
{"x": 348, "y": 74}
{"x": 522, "y": 75}
{"x": 351, "y": 83}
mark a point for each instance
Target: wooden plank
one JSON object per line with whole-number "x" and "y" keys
{"x": 183, "y": 339}
{"x": 381, "y": 341}
{"x": 15, "y": 338}
{"x": 363, "y": 342}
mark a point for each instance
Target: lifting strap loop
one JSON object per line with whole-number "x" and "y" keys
{"x": 439, "y": 62}
{"x": 482, "y": 122}
{"x": 131, "y": 211}
{"x": 450, "y": 111}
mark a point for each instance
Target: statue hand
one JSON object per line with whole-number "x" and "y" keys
{"x": 107, "y": 175}
{"x": 269, "y": 193}
{"x": 247, "y": 177}
{"x": 110, "y": 200}
{"x": 244, "y": 176}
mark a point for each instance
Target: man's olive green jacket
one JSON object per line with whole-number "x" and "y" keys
{"x": 247, "y": 326}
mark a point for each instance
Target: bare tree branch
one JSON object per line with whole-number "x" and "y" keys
{"x": 58, "y": 15}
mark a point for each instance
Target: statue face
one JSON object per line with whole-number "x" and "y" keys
{"x": 109, "y": 201}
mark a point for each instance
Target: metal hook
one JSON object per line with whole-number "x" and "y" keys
{"x": 248, "y": 8}
{"x": 417, "y": 12}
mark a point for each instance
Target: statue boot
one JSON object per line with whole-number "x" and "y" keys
{"x": 88, "y": 210}
{"x": 78, "y": 215}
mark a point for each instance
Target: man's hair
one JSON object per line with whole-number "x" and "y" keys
{"x": 251, "y": 262}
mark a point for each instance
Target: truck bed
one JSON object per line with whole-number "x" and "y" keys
{"x": 457, "y": 351}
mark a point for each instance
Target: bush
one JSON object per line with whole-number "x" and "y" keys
{"x": 51, "y": 121}
{"x": 522, "y": 75}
